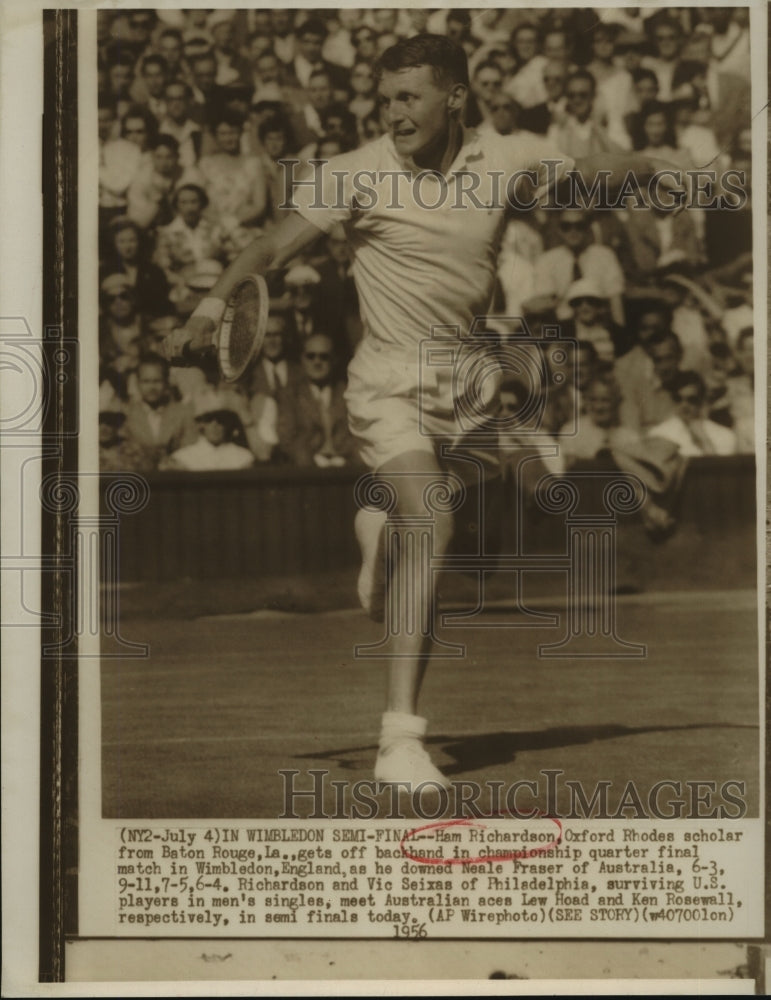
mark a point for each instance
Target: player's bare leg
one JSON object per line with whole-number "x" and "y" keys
{"x": 401, "y": 756}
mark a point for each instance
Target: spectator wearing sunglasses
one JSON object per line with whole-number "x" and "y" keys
{"x": 579, "y": 257}
{"x": 580, "y": 134}
{"x": 668, "y": 44}
{"x": 312, "y": 417}
{"x": 687, "y": 427}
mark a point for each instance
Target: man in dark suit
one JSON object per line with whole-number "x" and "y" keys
{"x": 312, "y": 416}
{"x": 155, "y": 422}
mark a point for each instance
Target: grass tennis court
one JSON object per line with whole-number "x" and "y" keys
{"x": 202, "y": 727}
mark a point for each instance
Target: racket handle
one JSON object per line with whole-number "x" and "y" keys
{"x": 189, "y": 358}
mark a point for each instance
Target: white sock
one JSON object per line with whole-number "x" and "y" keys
{"x": 399, "y": 726}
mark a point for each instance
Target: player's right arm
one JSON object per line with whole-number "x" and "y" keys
{"x": 268, "y": 252}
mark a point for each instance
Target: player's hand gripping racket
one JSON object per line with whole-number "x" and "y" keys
{"x": 239, "y": 336}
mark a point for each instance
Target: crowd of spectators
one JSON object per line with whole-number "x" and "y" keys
{"x": 197, "y": 110}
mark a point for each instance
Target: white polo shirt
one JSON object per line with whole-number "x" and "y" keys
{"x": 416, "y": 267}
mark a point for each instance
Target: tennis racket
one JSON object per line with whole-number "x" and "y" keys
{"x": 242, "y": 328}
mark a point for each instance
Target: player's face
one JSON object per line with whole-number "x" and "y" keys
{"x": 647, "y": 89}
{"x": 414, "y": 110}
{"x": 171, "y": 50}
{"x": 106, "y": 121}
{"x": 525, "y": 44}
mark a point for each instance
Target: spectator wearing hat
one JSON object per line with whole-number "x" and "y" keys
{"x": 231, "y": 68}
{"x": 201, "y": 279}
{"x": 179, "y": 125}
{"x": 116, "y": 453}
{"x": 687, "y": 427}
{"x": 312, "y": 416}
{"x": 221, "y": 441}
{"x": 150, "y": 194}
{"x": 190, "y": 237}
{"x": 154, "y": 421}
{"x": 579, "y": 257}
{"x": 125, "y": 255}
{"x": 591, "y": 323}
{"x": 235, "y": 184}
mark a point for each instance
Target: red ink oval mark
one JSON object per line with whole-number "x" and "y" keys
{"x": 467, "y": 821}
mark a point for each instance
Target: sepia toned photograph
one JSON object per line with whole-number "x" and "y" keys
{"x": 497, "y": 436}
{"x": 385, "y": 418}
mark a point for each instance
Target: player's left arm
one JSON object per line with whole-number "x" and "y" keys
{"x": 617, "y": 168}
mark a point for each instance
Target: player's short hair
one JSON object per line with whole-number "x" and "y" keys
{"x": 666, "y": 337}
{"x": 446, "y": 59}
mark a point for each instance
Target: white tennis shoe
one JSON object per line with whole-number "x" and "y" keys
{"x": 407, "y": 762}
{"x": 402, "y": 758}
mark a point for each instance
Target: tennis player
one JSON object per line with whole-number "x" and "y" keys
{"x": 424, "y": 208}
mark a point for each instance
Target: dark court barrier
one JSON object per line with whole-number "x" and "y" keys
{"x": 270, "y": 521}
